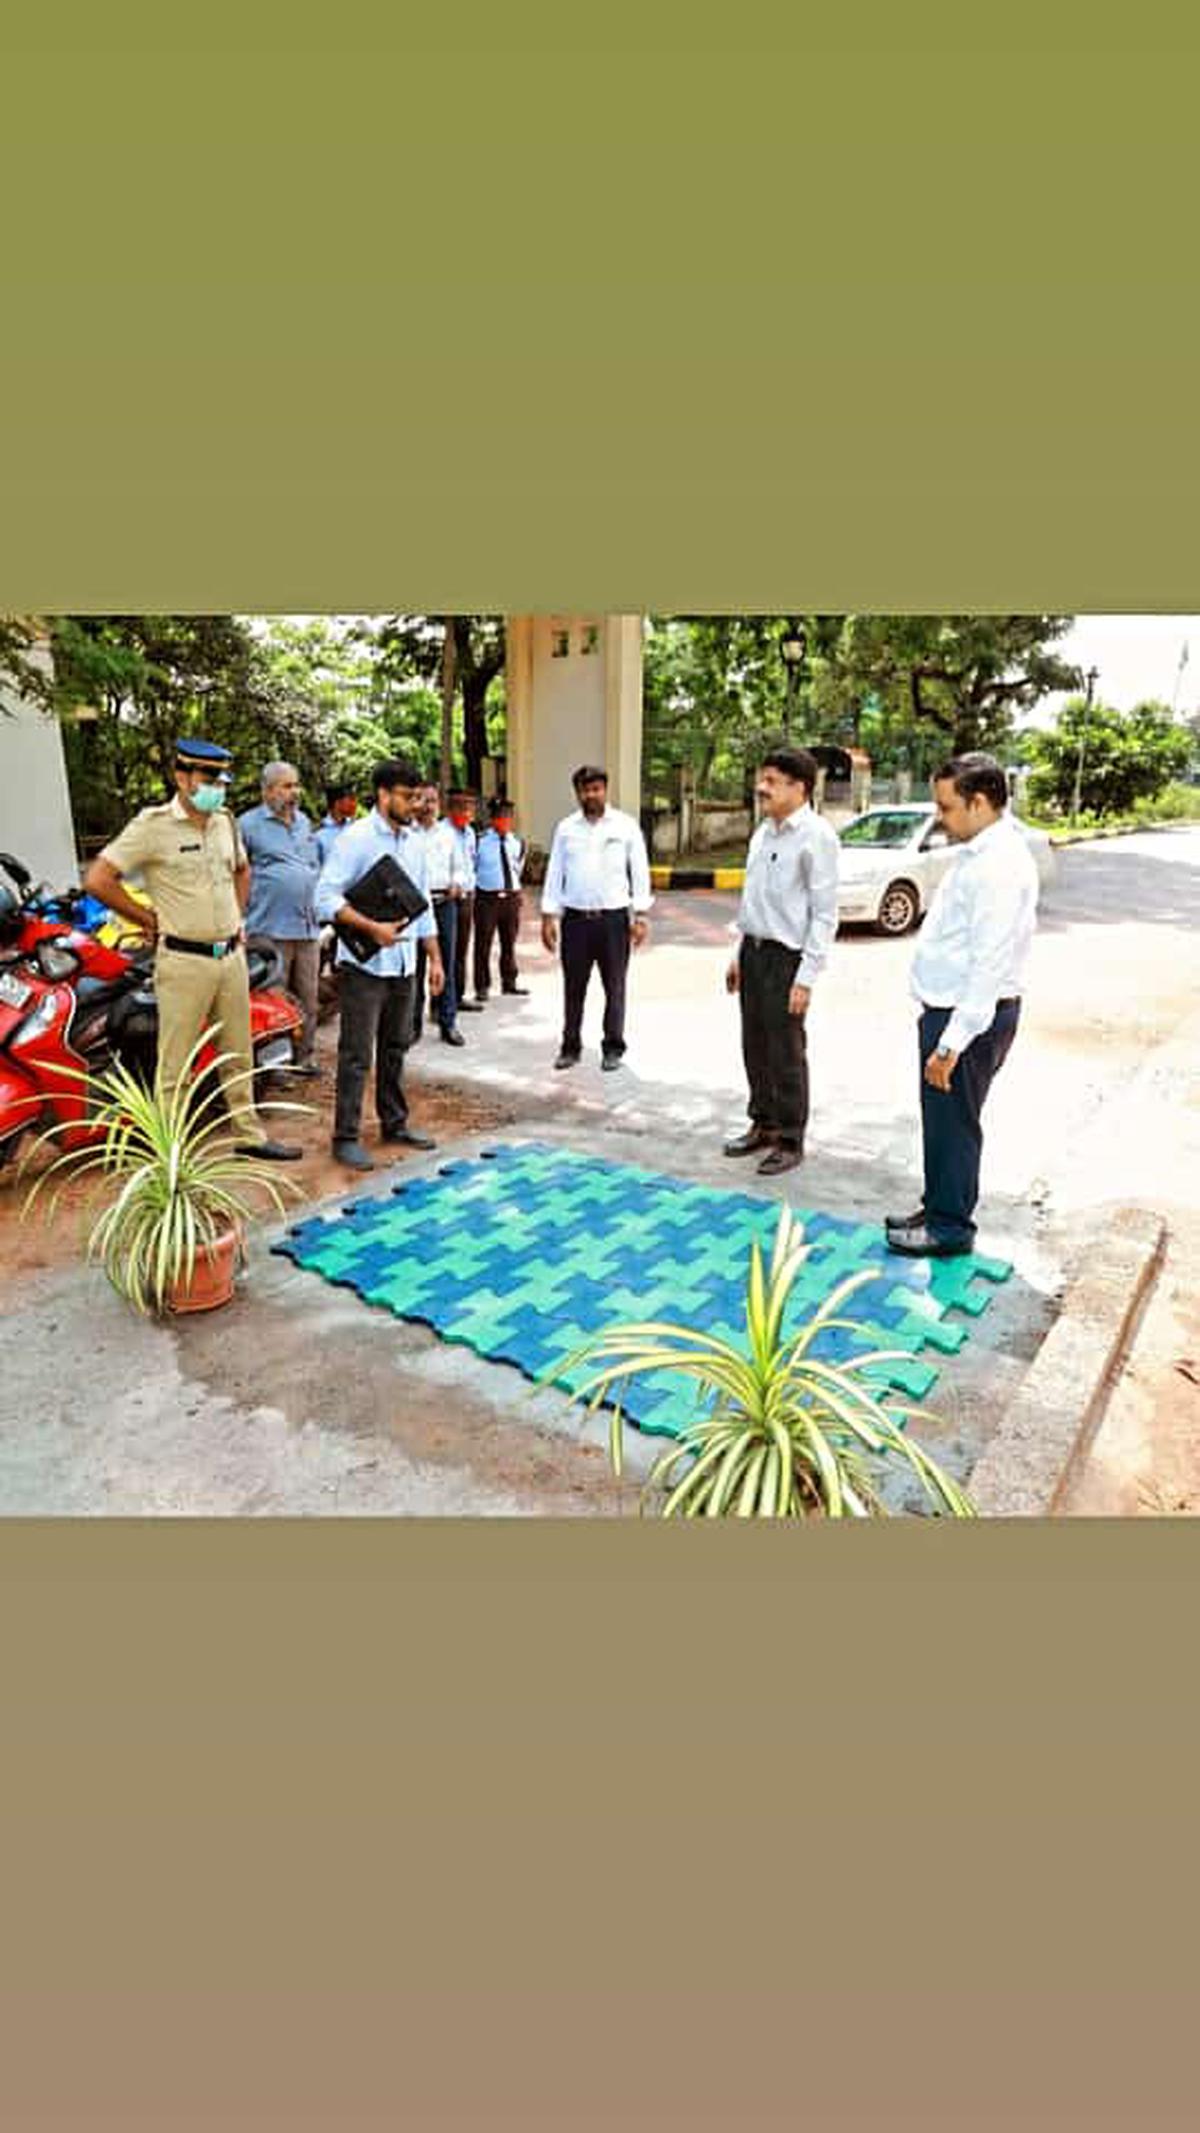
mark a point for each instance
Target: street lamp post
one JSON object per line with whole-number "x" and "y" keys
{"x": 793, "y": 646}
{"x": 1092, "y": 677}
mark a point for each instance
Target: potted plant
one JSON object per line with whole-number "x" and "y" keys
{"x": 777, "y": 1433}
{"x": 172, "y": 1237}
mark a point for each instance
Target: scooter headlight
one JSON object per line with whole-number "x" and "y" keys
{"x": 54, "y": 961}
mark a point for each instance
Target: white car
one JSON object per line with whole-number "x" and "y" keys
{"x": 893, "y": 859}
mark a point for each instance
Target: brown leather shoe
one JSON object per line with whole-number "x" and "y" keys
{"x": 747, "y": 1142}
{"x": 780, "y": 1159}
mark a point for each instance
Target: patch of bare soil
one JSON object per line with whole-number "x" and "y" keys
{"x": 50, "y": 1237}
{"x": 1145, "y": 1460}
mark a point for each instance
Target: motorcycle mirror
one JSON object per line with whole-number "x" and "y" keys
{"x": 54, "y": 960}
{"x": 21, "y": 875}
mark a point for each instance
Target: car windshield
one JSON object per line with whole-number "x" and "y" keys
{"x": 884, "y": 831}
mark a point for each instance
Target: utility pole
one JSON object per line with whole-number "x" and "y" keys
{"x": 1183, "y": 660}
{"x": 1092, "y": 677}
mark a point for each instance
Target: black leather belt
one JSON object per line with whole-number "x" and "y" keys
{"x": 1013, "y": 1000}
{"x": 217, "y": 948}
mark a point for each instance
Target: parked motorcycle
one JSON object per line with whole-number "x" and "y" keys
{"x": 70, "y": 1004}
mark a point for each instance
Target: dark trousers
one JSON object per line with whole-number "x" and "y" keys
{"x": 465, "y": 910}
{"x": 774, "y": 1042}
{"x": 950, "y": 1120}
{"x": 376, "y": 1023}
{"x": 496, "y": 911}
{"x": 594, "y": 940}
{"x": 445, "y": 1007}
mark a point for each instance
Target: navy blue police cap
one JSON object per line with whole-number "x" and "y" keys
{"x": 201, "y": 755}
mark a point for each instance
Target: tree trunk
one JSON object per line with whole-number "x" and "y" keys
{"x": 475, "y": 747}
{"x": 449, "y": 670}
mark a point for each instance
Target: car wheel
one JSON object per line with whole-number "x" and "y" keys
{"x": 899, "y": 908}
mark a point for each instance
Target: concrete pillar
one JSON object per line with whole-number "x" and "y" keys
{"x": 573, "y": 691}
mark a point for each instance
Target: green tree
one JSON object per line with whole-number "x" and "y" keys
{"x": 1126, "y": 757}
{"x": 412, "y": 647}
{"x": 948, "y": 682}
{"x": 20, "y": 673}
{"x": 145, "y": 678}
{"x": 716, "y": 694}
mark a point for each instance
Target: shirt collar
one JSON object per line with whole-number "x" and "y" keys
{"x": 790, "y": 822}
{"x": 384, "y": 828}
{"x": 983, "y": 840}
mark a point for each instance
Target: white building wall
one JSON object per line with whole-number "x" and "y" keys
{"x": 35, "y": 804}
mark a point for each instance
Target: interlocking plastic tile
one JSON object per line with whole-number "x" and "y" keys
{"x": 525, "y": 1251}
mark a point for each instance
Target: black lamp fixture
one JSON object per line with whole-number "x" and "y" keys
{"x": 793, "y": 649}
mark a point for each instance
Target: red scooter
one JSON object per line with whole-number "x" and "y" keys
{"x": 70, "y": 1005}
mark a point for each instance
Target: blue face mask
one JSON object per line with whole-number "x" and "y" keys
{"x": 208, "y": 798}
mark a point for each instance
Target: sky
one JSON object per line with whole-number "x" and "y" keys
{"x": 1137, "y": 657}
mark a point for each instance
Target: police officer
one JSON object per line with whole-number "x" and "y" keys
{"x": 193, "y": 863}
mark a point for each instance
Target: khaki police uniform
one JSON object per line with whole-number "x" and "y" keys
{"x": 188, "y": 868}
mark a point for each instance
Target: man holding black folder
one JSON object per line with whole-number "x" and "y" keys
{"x": 374, "y": 888}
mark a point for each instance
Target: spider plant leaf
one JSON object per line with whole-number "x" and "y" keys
{"x": 694, "y": 1474}
{"x": 749, "y": 1489}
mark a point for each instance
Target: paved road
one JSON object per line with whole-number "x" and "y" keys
{"x": 1115, "y": 968}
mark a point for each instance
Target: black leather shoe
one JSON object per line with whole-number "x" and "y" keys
{"x": 517, "y": 992}
{"x": 567, "y": 1059}
{"x": 916, "y": 1243}
{"x": 470, "y": 1007}
{"x": 453, "y": 1036}
{"x": 353, "y": 1155}
{"x": 270, "y": 1151}
{"x": 746, "y": 1143}
{"x": 610, "y": 1061}
{"x": 406, "y": 1138}
{"x": 779, "y": 1160}
{"x": 914, "y": 1221}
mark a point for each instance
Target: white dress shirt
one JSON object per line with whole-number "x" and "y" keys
{"x": 352, "y": 855}
{"x": 465, "y": 842}
{"x": 790, "y": 891}
{"x": 443, "y": 857}
{"x": 597, "y": 866}
{"x": 975, "y": 940}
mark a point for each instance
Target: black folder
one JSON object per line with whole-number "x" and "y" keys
{"x": 385, "y": 893}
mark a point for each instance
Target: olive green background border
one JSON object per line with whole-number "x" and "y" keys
{"x": 347, "y": 1825}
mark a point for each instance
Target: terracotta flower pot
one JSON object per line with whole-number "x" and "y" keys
{"x": 211, "y": 1284}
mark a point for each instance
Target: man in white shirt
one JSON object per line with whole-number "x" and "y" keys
{"x": 462, "y": 807}
{"x": 967, "y": 977}
{"x": 598, "y": 884}
{"x": 447, "y": 882}
{"x": 787, "y": 919}
{"x": 377, "y": 995}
